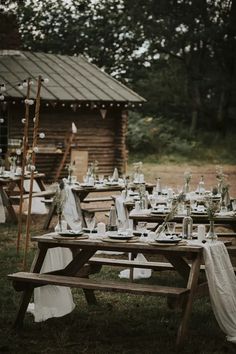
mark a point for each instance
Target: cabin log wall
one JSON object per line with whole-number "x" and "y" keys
{"x": 104, "y": 139}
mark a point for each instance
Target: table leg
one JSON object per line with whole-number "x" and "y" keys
{"x": 7, "y": 204}
{"x": 192, "y": 286}
{"x": 27, "y": 293}
{"x": 52, "y": 211}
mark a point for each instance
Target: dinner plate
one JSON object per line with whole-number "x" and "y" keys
{"x": 168, "y": 240}
{"x": 71, "y": 233}
{"x": 120, "y": 237}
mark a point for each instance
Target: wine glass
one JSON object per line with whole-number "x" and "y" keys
{"x": 90, "y": 222}
{"x": 171, "y": 228}
{"x": 142, "y": 227}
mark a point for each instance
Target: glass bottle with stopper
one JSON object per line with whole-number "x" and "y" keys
{"x": 187, "y": 228}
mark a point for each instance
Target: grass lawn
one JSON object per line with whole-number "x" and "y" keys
{"x": 120, "y": 324}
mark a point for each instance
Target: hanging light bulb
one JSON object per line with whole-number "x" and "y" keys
{"x": 20, "y": 87}
{"x": 41, "y": 135}
{"x": 1, "y": 97}
{"x": 3, "y": 87}
{"x": 25, "y": 84}
{"x": 23, "y": 120}
{"x": 46, "y": 80}
{"x": 1, "y": 120}
{"x": 18, "y": 151}
{"x": 36, "y": 149}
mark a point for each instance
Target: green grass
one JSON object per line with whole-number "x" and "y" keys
{"x": 121, "y": 323}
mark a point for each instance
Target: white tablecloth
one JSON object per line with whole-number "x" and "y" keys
{"x": 51, "y": 300}
{"x": 222, "y": 287}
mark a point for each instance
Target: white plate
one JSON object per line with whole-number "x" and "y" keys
{"x": 71, "y": 233}
{"x": 168, "y": 240}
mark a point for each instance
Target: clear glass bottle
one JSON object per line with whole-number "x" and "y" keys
{"x": 158, "y": 186}
{"x": 112, "y": 221}
{"x": 187, "y": 228}
{"x": 201, "y": 186}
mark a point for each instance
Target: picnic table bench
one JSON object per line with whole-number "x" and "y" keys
{"x": 84, "y": 251}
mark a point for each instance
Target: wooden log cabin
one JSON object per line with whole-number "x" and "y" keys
{"x": 78, "y": 92}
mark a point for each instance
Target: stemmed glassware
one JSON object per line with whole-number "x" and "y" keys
{"x": 90, "y": 222}
{"x": 142, "y": 227}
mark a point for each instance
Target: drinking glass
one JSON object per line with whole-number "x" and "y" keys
{"x": 152, "y": 200}
{"x": 171, "y": 227}
{"x": 142, "y": 227}
{"x": 90, "y": 222}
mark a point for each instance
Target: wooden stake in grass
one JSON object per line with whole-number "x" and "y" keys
{"x": 24, "y": 153}
{"x": 34, "y": 147}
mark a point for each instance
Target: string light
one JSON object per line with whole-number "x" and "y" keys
{"x": 1, "y": 97}
{"x": 36, "y": 149}
{"x": 3, "y": 87}
{"x": 41, "y": 135}
{"x": 23, "y": 120}
{"x": 63, "y": 104}
{"x": 45, "y": 80}
{"x": 13, "y": 102}
{"x": 18, "y": 151}
{"x": 30, "y": 102}
{"x": 1, "y": 120}
{"x": 24, "y": 83}
{"x": 20, "y": 87}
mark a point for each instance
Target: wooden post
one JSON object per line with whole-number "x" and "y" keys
{"x": 24, "y": 153}
{"x": 66, "y": 152}
{"x": 34, "y": 145}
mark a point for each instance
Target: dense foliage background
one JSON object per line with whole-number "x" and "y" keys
{"x": 179, "y": 54}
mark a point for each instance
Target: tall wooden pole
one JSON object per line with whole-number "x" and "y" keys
{"x": 67, "y": 149}
{"x": 24, "y": 153}
{"x": 34, "y": 145}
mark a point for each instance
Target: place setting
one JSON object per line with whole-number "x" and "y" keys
{"x": 120, "y": 236}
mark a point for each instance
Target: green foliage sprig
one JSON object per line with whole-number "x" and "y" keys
{"x": 180, "y": 198}
{"x": 212, "y": 207}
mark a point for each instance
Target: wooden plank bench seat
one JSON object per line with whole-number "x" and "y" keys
{"x": 34, "y": 195}
{"x": 150, "y": 265}
{"x": 98, "y": 199}
{"x": 129, "y": 263}
{"x": 44, "y": 279}
{"x": 96, "y": 210}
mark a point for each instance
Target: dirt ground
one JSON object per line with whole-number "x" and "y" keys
{"x": 172, "y": 175}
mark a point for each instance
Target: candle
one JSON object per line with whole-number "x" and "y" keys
{"x": 201, "y": 232}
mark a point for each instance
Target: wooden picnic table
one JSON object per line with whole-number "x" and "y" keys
{"x": 81, "y": 192}
{"x": 76, "y": 274}
{"x": 229, "y": 221}
{"x": 11, "y": 197}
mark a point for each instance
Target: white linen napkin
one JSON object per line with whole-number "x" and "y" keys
{"x": 222, "y": 287}
{"x": 51, "y": 300}
{"x": 121, "y": 211}
{"x": 70, "y": 210}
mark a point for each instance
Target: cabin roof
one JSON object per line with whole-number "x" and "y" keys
{"x": 71, "y": 78}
